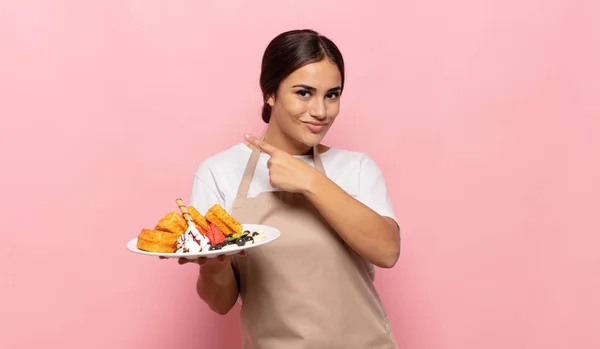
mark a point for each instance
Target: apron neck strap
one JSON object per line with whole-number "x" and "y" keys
{"x": 251, "y": 168}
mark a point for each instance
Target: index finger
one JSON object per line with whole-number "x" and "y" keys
{"x": 262, "y": 145}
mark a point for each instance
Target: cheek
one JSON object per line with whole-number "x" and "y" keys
{"x": 333, "y": 109}
{"x": 295, "y": 108}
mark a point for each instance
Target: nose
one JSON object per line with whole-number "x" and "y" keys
{"x": 318, "y": 109}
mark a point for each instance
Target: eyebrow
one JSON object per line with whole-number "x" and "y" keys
{"x": 310, "y": 88}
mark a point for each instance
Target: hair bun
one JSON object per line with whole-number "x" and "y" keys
{"x": 266, "y": 112}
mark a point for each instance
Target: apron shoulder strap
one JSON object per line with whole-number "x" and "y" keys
{"x": 318, "y": 162}
{"x": 248, "y": 174}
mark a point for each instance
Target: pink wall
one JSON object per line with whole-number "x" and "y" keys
{"x": 484, "y": 115}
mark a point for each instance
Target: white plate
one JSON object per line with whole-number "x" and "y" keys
{"x": 270, "y": 233}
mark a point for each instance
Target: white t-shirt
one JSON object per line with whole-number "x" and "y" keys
{"x": 218, "y": 177}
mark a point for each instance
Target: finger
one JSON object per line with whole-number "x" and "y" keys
{"x": 221, "y": 258}
{"x": 201, "y": 260}
{"x": 182, "y": 261}
{"x": 262, "y": 145}
{"x": 242, "y": 253}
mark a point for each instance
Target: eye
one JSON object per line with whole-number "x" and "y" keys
{"x": 333, "y": 95}
{"x": 303, "y": 93}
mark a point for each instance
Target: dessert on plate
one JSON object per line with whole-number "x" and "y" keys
{"x": 157, "y": 241}
{"x": 191, "y": 232}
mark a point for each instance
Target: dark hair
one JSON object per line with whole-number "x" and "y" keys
{"x": 289, "y": 51}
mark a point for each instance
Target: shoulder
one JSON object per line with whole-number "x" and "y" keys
{"x": 349, "y": 159}
{"x": 224, "y": 161}
{"x": 353, "y": 171}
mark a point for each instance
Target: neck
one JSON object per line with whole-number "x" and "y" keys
{"x": 280, "y": 140}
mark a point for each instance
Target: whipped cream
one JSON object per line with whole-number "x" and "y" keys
{"x": 192, "y": 241}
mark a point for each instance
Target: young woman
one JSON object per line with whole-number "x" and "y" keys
{"x": 312, "y": 287}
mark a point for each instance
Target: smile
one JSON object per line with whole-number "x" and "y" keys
{"x": 315, "y": 126}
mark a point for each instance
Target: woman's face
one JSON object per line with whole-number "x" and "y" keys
{"x": 307, "y": 102}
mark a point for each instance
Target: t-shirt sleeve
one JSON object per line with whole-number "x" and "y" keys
{"x": 372, "y": 189}
{"x": 204, "y": 191}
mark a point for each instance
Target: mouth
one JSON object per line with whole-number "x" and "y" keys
{"x": 315, "y": 127}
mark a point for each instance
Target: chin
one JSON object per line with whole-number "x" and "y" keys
{"x": 311, "y": 139}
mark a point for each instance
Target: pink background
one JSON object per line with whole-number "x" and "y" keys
{"x": 484, "y": 116}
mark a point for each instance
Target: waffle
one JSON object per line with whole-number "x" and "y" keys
{"x": 198, "y": 219}
{"x": 227, "y": 224}
{"x": 173, "y": 223}
{"x": 157, "y": 241}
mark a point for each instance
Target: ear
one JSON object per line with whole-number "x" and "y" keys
{"x": 271, "y": 101}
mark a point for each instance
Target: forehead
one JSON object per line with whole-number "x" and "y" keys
{"x": 321, "y": 75}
